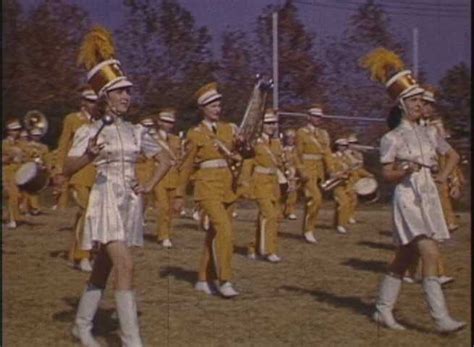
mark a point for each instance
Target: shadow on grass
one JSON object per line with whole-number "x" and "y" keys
{"x": 59, "y": 254}
{"x": 352, "y": 303}
{"x": 385, "y": 233}
{"x": 179, "y": 273}
{"x": 377, "y": 245}
{"x": 241, "y": 250}
{"x": 366, "y": 265}
{"x": 287, "y": 235}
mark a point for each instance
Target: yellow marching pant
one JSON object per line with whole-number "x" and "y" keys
{"x": 13, "y": 201}
{"x": 81, "y": 197}
{"x": 343, "y": 205}
{"x": 290, "y": 203}
{"x": 216, "y": 259}
{"x": 446, "y": 204}
{"x": 314, "y": 200}
{"x": 164, "y": 206}
{"x": 266, "y": 236}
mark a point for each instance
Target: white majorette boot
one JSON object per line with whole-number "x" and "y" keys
{"x": 309, "y": 237}
{"x": 388, "y": 295}
{"x": 85, "y": 314}
{"x": 438, "y": 308}
{"x": 227, "y": 291}
{"x": 127, "y": 313}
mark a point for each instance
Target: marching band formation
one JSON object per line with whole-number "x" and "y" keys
{"x": 114, "y": 170}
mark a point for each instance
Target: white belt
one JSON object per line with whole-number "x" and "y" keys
{"x": 213, "y": 164}
{"x": 265, "y": 170}
{"x": 312, "y": 156}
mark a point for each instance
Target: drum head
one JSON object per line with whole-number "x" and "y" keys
{"x": 366, "y": 186}
{"x": 25, "y": 173}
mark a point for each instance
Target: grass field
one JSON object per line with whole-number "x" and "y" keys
{"x": 320, "y": 295}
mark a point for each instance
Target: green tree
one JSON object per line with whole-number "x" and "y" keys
{"x": 455, "y": 100}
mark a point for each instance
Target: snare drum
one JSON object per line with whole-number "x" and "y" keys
{"x": 366, "y": 188}
{"x": 31, "y": 177}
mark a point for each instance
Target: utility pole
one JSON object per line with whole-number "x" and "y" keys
{"x": 415, "y": 52}
{"x": 275, "y": 59}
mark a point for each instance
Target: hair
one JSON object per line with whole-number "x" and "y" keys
{"x": 394, "y": 117}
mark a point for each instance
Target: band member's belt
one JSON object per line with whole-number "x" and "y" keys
{"x": 265, "y": 170}
{"x": 213, "y": 164}
{"x": 312, "y": 156}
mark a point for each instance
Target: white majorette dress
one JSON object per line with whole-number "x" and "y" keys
{"x": 114, "y": 211}
{"x": 416, "y": 205}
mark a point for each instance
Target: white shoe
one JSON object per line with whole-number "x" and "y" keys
{"x": 310, "y": 237}
{"x": 167, "y": 243}
{"x": 235, "y": 214}
{"x": 183, "y": 213}
{"x": 438, "y": 308}
{"x": 445, "y": 279}
{"x": 86, "y": 310}
{"x": 11, "y": 225}
{"x": 273, "y": 258}
{"x": 352, "y": 221}
{"x": 452, "y": 227}
{"x": 251, "y": 256}
{"x": 386, "y": 299}
{"x": 203, "y": 286}
{"x": 85, "y": 265}
{"x": 341, "y": 230}
{"x": 292, "y": 216}
{"x": 409, "y": 280}
{"x": 196, "y": 216}
{"x": 54, "y": 207}
{"x": 227, "y": 291}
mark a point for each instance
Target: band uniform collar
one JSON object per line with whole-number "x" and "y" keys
{"x": 209, "y": 124}
{"x": 163, "y": 134}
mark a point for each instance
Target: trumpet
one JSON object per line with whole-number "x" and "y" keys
{"x": 338, "y": 179}
{"x": 363, "y": 147}
{"x": 36, "y": 120}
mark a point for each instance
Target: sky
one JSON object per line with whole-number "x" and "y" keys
{"x": 444, "y": 26}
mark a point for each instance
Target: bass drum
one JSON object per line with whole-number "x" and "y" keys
{"x": 31, "y": 178}
{"x": 367, "y": 189}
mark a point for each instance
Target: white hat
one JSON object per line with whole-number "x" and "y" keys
{"x": 352, "y": 138}
{"x": 428, "y": 96}
{"x": 207, "y": 94}
{"x": 147, "y": 122}
{"x": 342, "y": 142}
{"x": 89, "y": 95}
{"x": 315, "y": 111}
{"x": 36, "y": 131}
{"x": 14, "y": 125}
{"x": 167, "y": 115}
{"x": 270, "y": 116}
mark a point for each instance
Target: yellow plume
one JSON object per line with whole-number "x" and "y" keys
{"x": 97, "y": 46}
{"x": 382, "y": 64}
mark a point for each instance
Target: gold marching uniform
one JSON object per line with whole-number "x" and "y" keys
{"x": 343, "y": 192}
{"x": 37, "y": 152}
{"x": 356, "y": 161}
{"x": 314, "y": 153}
{"x": 291, "y": 197}
{"x": 165, "y": 190}
{"x": 266, "y": 191}
{"x": 213, "y": 191}
{"x": 80, "y": 183}
{"x": 12, "y": 158}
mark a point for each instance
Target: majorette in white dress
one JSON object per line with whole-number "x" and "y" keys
{"x": 114, "y": 211}
{"x": 416, "y": 205}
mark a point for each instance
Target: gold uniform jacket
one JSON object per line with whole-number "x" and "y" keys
{"x": 315, "y": 145}
{"x": 72, "y": 122}
{"x": 268, "y": 157}
{"x": 171, "y": 179}
{"x": 12, "y": 157}
{"x": 209, "y": 183}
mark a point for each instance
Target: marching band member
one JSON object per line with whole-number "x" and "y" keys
{"x": 210, "y": 146}
{"x": 266, "y": 189}
{"x": 313, "y": 147}
{"x": 37, "y": 152}
{"x": 434, "y": 125}
{"x": 165, "y": 191}
{"x": 291, "y": 158}
{"x": 356, "y": 160}
{"x": 408, "y": 155}
{"x": 12, "y": 157}
{"x": 81, "y": 182}
{"x": 145, "y": 166}
{"x": 114, "y": 217}
{"x": 342, "y": 192}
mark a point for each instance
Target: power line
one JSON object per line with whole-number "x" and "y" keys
{"x": 413, "y": 13}
{"x": 410, "y": 7}
{"x": 434, "y": 5}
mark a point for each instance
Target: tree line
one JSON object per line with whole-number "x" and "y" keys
{"x": 168, "y": 56}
